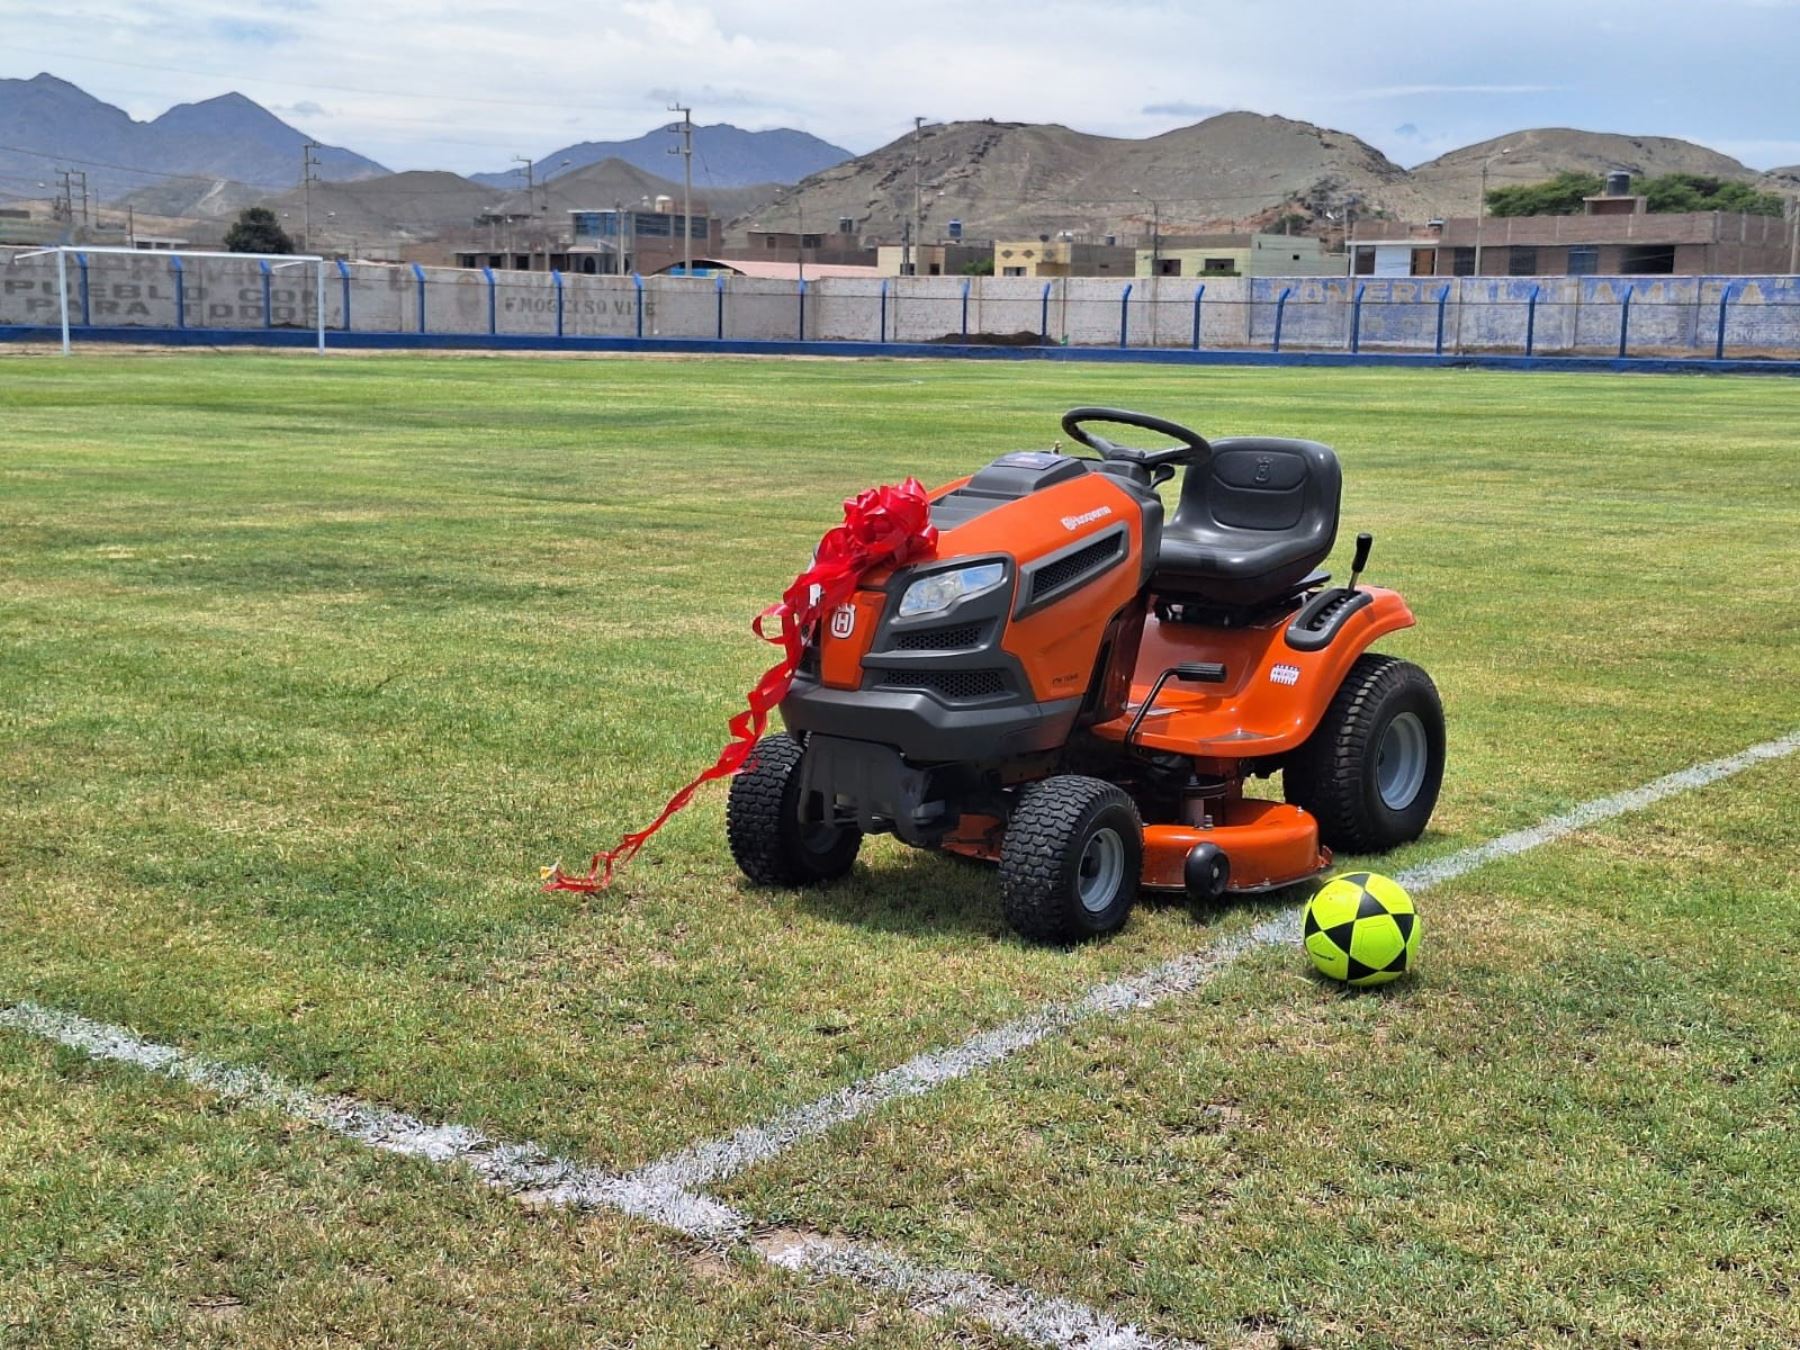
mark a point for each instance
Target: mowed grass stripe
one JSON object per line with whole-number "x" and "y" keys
{"x": 310, "y": 665}
{"x": 524, "y": 1171}
{"x": 1570, "y": 1123}
{"x": 716, "y": 1160}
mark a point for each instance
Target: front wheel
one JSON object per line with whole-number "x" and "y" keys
{"x": 771, "y": 844}
{"x": 1371, "y": 770}
{"x": 1071, "y": 858}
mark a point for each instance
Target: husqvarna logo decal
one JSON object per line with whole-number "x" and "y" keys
{"x": 1086, "y": 517}
{"x": 843, "y": 621}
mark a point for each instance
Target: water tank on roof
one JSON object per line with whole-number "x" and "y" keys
{"x": 954, "y": 229}
{"x": 664, "y": 203}
{"x": 1618, "y": 183}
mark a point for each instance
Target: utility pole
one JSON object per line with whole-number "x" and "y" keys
{"x": 685, "y": 129}
{"x": 800, "y": 221}
{"x": 1481, "y": 207}
{"x": 309, "y": 164}
{"x": 1155, "y": 232}
{"x": 131, "y": 226}
{"x": 1793, "y": 235}
{"x": 530, "y": 172}
{"x": 67, "y": 210}
{"x": 918, "y": 220}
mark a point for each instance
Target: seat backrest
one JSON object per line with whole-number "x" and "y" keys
{"x": 1266, "y": 484}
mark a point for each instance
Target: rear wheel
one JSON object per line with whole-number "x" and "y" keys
{"x": 1371, "y": 770}
{"x": 769, "y": 841}
{"x": 1071, "y": 858}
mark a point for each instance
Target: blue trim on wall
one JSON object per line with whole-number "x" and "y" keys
{"x": 1163, "y": 356}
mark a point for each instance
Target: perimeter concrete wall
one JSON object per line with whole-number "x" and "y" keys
{"x": 1571, "y": 314}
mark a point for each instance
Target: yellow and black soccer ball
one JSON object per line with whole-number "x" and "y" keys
{"x": 1361, "y": 928}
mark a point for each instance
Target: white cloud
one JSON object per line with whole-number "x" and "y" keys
{"x": 466, "y": 83}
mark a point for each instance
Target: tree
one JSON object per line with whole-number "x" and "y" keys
{"x": 257, "y": 231}
{"x": 1703, "y": 192}
{"x": 1561, "y": 196}
{"x": 981, "y": 267}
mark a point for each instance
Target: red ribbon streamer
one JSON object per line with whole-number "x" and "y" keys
{"x": 883, "y": 527}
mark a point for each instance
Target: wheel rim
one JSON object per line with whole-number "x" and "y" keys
{"x": 1102, "y": 868}
{"x": 1400, "y": 761}
{"x": 818, "y": 838}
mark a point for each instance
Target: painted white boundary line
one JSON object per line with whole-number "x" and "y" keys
{"x": 526, "y": 1172}
{"x": 718, "y": 1159}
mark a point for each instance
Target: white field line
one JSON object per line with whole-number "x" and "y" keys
{"x": 660, "y": 1194}
{"x": 528, "y": 1173}
{"x": 718, "y": 1159}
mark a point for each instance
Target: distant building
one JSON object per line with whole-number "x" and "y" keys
{"x": 1614, "y": 236}
{"x": 764, "y": 270}
{"x": 604, "y": 242}
{"x": 1238, "y": 255}
{"x": 841, "y": 247}
{"x": 930, "y": 260}
{"x": 1042, "y": 257}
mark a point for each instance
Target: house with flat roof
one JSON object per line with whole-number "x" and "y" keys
{"x": 1257, "y": 254}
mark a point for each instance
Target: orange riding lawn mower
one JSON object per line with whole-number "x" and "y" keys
{"x": 1078, "y": 690}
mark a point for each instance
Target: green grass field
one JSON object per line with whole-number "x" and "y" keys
{"x": 309, "y": 665}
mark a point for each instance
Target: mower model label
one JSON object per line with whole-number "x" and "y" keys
{"x": 1284, "y": 674}
{"x": 1086, "y": 517}
{"x": 843, "y": 621}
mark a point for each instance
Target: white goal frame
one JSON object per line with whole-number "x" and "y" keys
{"x": 277, "y": 261}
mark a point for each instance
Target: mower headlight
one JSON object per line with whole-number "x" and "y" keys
{"x": 940, "y": 590}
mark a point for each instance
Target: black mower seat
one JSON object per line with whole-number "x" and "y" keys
{"x": 1252, "y": 523}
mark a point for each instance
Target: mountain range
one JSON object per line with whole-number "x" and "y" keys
{"x": 724, "y": 157}
{"x": 208, "y": 159}
{"x": 47, "y": 124}
{"x": 1238, "y": 169}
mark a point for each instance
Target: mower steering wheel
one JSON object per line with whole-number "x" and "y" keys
{"x": 1194, "y": 448}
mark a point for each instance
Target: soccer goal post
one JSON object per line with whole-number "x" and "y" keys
{"x": 276, "y": 262}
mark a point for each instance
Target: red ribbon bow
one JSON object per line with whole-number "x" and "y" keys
{"x": 883, "y": 527}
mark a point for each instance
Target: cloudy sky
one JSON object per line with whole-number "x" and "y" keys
{"x": 466, "y": 84}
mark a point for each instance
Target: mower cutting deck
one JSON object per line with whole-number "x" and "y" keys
{"x": 1078, "y": 690}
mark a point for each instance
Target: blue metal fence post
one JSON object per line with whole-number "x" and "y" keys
{"x": 487, "y": 274}
{"x": 638, "y": 282}
{"x": 1531, "y": 319}
{"x": 1280, "y": 310}
{"x": 802, "y": 327}
{"x": 87, "y": 317}
{"x": 1199, "y": 295}
{"x": 180, "y": 293}
{"x": 1356, "y": 318}
{"x": 262, "y": 265}
{"x": 344, "y": 277}
{"x": 1724, "y": 300}
{"x": 965, "y": 308}
{"x": 1625, "y": 318}
{"x": 881, "y": 330}
{"x": 1044, "y": 313}
{"x": 556, "y": 280}
{"x": 1125, "y": 316}
{"x": 1443, "y": 299}
{"x": 419, "y": 276}
{"x": 719, "y": 292}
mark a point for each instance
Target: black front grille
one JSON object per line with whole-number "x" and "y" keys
{"x": 1054, "y": 576}
{"x": 809, "y": 659}
{"x": 949, "y": 683}
{"x": 948, "y": 639}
